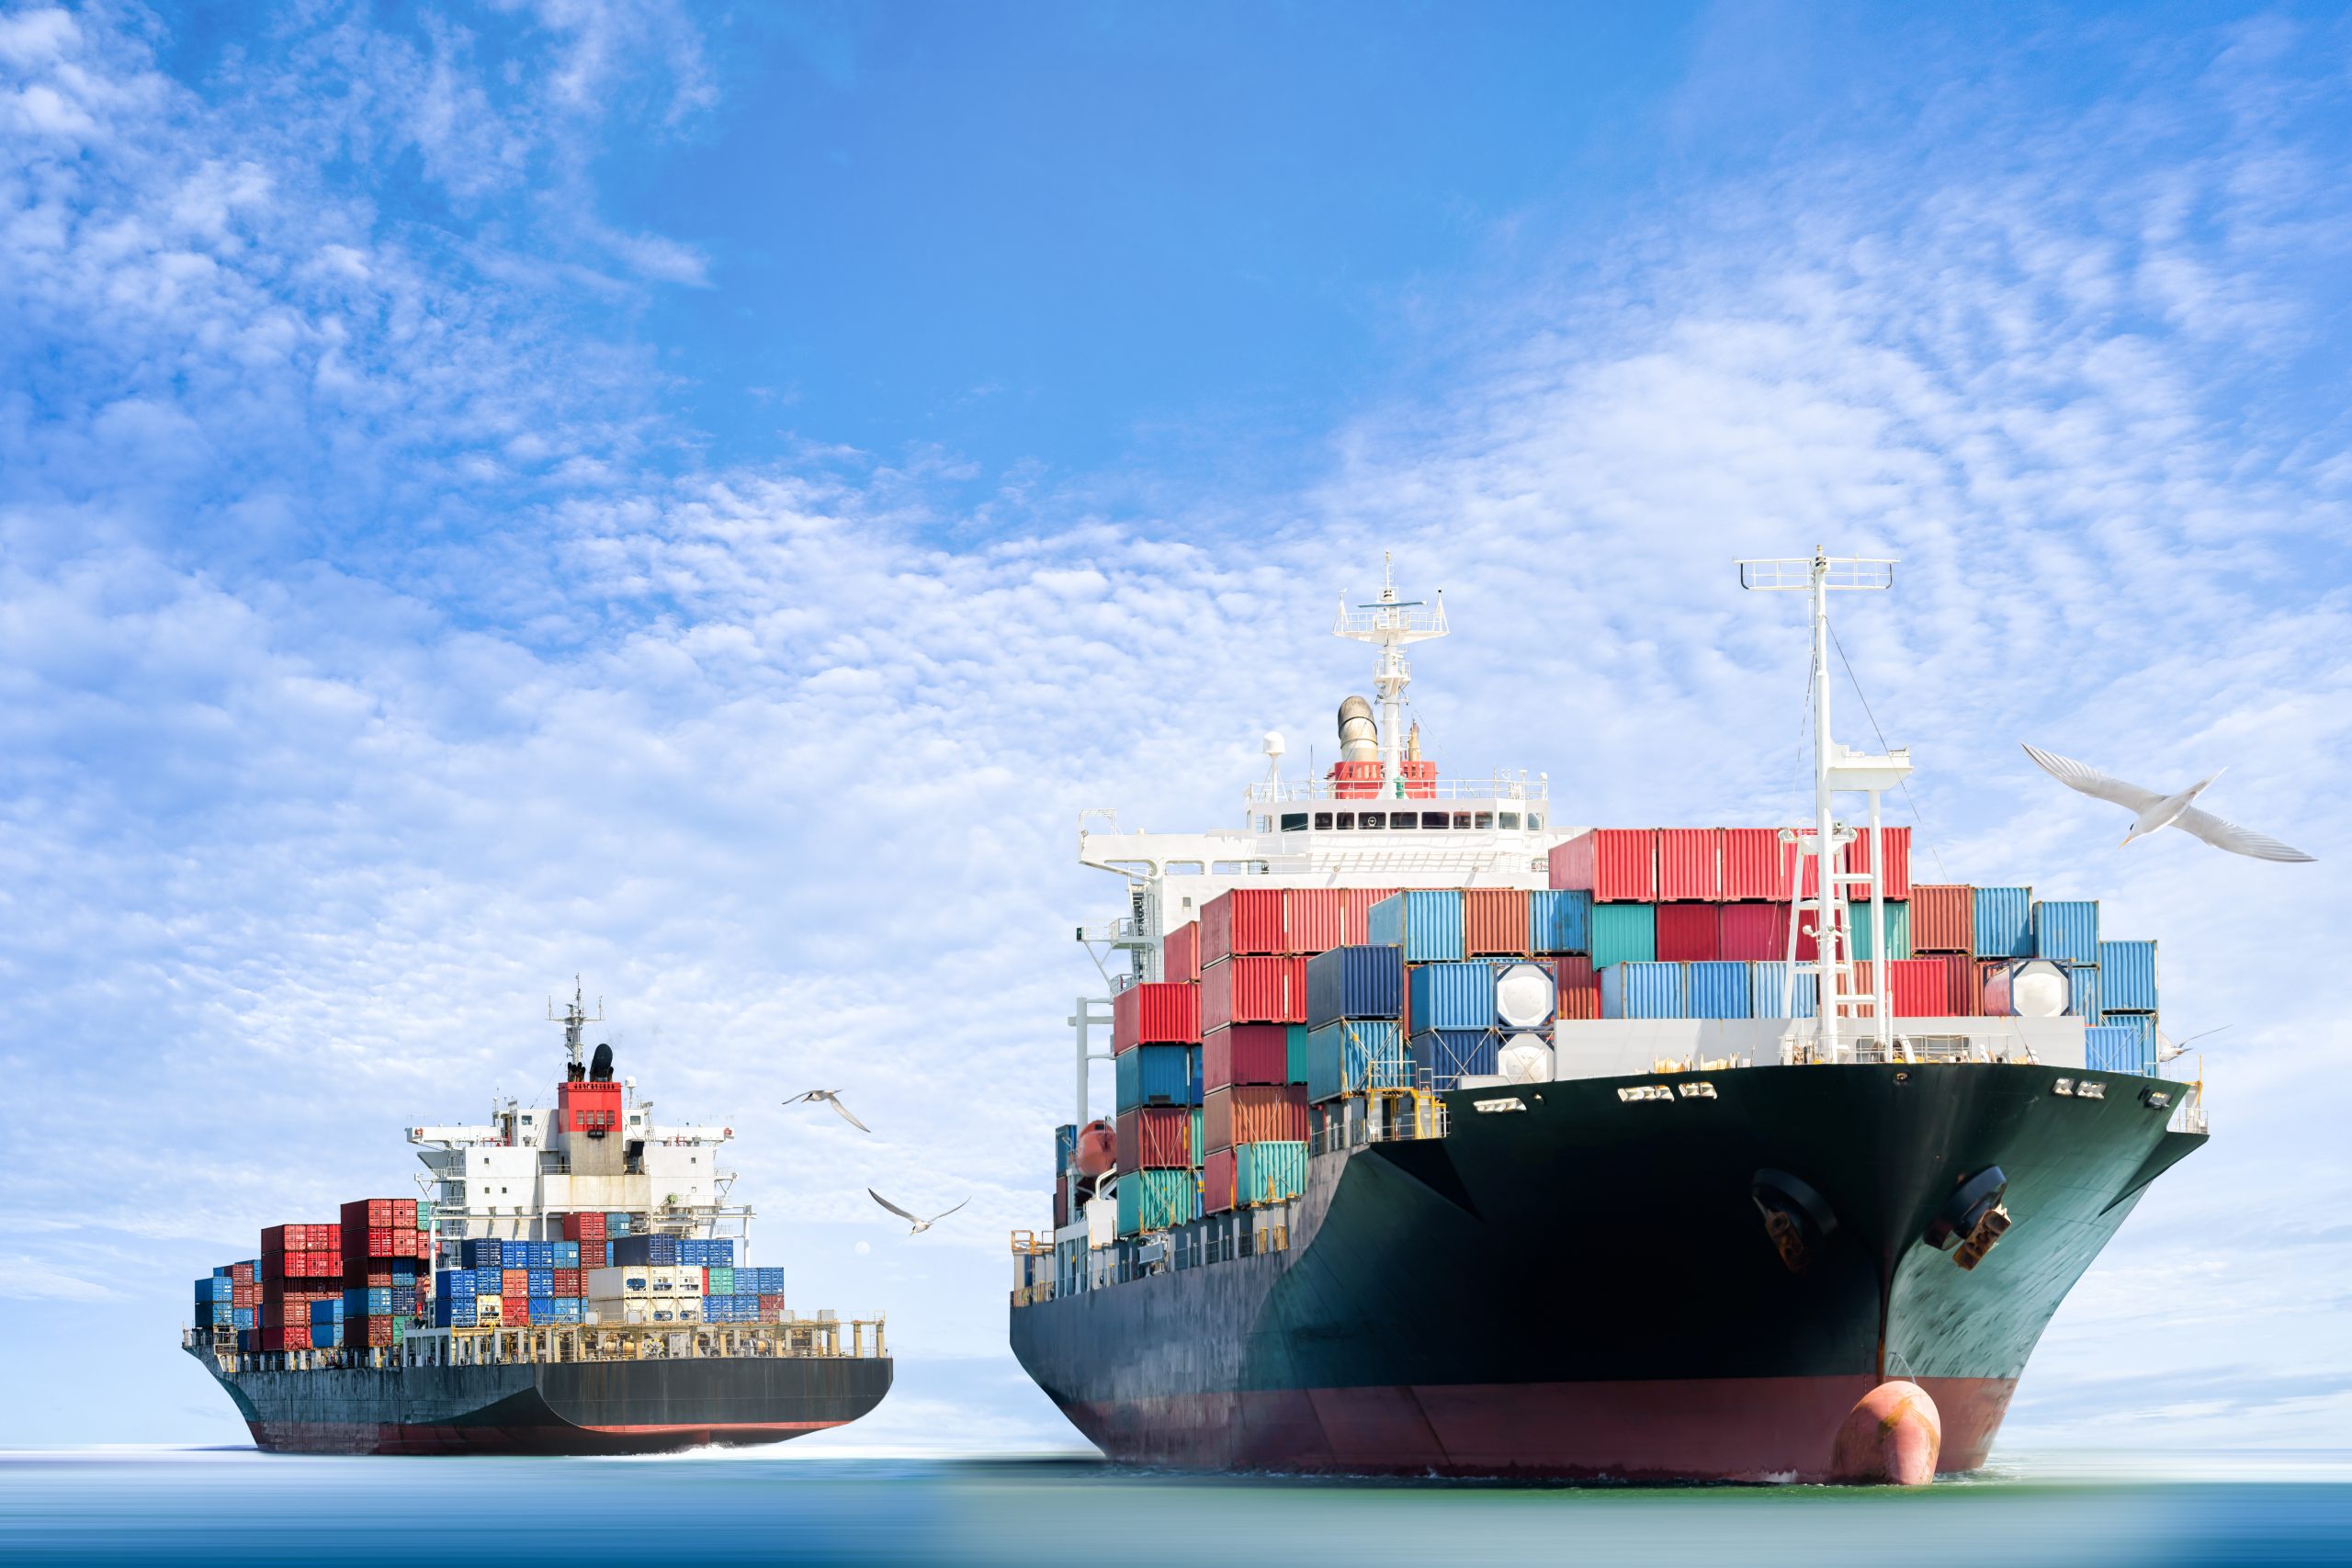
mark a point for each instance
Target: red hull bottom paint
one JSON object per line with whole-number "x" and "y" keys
{"x": 368, "y": 1438}
{"x": 1754, "y": 1430}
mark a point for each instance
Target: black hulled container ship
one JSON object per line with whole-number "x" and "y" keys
{"x": 1576, "y": 1153}
{"x": 576, "y": 1284}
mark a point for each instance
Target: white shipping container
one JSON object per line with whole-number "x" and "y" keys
{"x": 623, "y": 1280}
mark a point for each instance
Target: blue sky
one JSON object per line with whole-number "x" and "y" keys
{"x": 705, "y": 499}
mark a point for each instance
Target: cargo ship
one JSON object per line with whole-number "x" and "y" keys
{"x": 1453, "y": 1138}
{"x": 577, "y": 1282}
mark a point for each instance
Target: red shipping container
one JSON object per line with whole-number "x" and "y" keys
{"x": 1356, "y": 904}
{"x": 1245, "y": 1052}
{"x": 1617, "y": 866}
{"x": 1061, "y": 1218}
{"x": 1253, "y": 1113}
{"x": 1157, "y": 1012}
{"x": 1216, "y": 1182}
{"x": 1576, "y": 987}
{"x": 1244, "y": 920}
{"x": 404, "y": 1213}
{"x": 1494, "y": 921}
{"x": 1751, "y": 863}
{"x": 242, "y": 1273}
{"x": 1687, "y": 932}
{"x": 280, "y": 1339}
{"x": 1943, "y": 918}
{"x": 1315, "y": 920}
{"x": 1963, "y": 993}
{"x": 1690, "y": 866}
{"x": 1180, "y": 952}
{"x": 370, "y": 1333}
{"x": 514, "y": 1309}
{"x": 369, "y": 1213}
{"x": 1753, "y": 933}
{"x": 1156, "y": 1137}
{"x": 1898, "y": 861}
{"x": 567, "y": 1282}
{"x": 588, "y": 1226}
{"x": 1784, "y": 871}
{"x": 1254, "y": 989}
{"x": 1916, "y": 988}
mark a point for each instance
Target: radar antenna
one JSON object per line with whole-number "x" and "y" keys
{"x": 1834, "y": 770}
{"x": 574, "y": 1018}
{"x": 1388, "y": 623}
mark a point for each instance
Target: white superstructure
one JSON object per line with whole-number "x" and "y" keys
{"x": 598, "y": 1147}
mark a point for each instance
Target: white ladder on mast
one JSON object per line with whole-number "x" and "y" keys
{"x": 1835, "y": 770}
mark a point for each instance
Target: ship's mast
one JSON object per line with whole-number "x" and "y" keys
{"x": 1389, "y": 623}
{"x": 574, "y": 1018}
{"x": 1834, "y": 770}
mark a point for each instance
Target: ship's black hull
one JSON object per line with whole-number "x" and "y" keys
{"x": 588, "y": 1408}
{"x": 1586, "y": 1289}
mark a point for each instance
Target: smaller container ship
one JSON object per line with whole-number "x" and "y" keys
{"x": 579, "y": 1282}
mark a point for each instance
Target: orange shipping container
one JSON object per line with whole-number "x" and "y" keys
{"x": 1689, "y": 868}
{"x": 1578, "y": 987}
{"x": 1315, "y": 919}
{"x": 1253, "y": 1113}
{"x": 1494, "y": 921}
{"x": 1943, "y": 918}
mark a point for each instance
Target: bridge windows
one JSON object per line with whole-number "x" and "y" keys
{"x": 1294, "y": 821}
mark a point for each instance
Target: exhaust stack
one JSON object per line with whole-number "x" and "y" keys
{"x": 1359, "y": 735}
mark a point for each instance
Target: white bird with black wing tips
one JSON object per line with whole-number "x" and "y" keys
{"x": 921, "y": 1225}
{"x": 832, "y": 1097}
{"x": 2153, "y": 810}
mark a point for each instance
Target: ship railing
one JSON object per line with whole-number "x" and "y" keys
{"x": 1498, "y": 787}
{"x": 824, "y": 1339}
{"x": 1381, "y": 1116}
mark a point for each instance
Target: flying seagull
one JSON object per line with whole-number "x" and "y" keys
{"x": 2152, "y": 810}
{"x": 832, "y": 1097}
{"x": 921, "y": 1225}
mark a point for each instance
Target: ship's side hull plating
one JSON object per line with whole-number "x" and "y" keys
{"x": 589, "y": 1407}
{"x": 1584, "y": 1288}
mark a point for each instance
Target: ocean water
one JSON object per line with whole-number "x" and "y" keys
{"x": 179, "y": 1508}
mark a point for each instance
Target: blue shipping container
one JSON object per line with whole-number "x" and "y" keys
{"x": 1426, "y": 923}
{"x": 1718, "y": 989}
{"x": 2127, "y": 976}
{"x": 2118, "y": 1048}
{"x": 567, "y": 1309}
{"x": 567, "y": 1255}
{"x": 615, "y": 1226}
{"x": 1158, "y": 1075}
{"x": 1450, "y": 996}
{"x": 1354, "y": 982}
{"x": 1350, "y": 1057}
{"x": 2065, "y": 931}
{"x": 325, "y": 1336}
{"x": 649, "y": 1249}
{"x": 1559, "y": 920}
{"x": 242, "y": 1317}
{"x": 483, "y": 1252}
{"x": 1449, "y": 1055}
{"x": 2082, "y": 992}
{"x": 453, "y": 1283}
{"x": 1267, "y": 1172}
{"x": 1623, "y": 933}
{"x": 1065, "y": 1148}
{"x": 2143, "y": 1026}
{"x": 1641, "y": 990}
{"x": 2004, "y": 922}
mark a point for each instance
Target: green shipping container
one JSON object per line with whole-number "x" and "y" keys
{"x": 1155, "y": 1199}
{"x": 1193, "y": 1149}
{"x": 1294, "y": 1038}
{"x": 718, "y": 1282}
{"x": 1623, "y": 933}
{"x": 1898, "y": 929}
{"x": 1268, "y": 1173}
